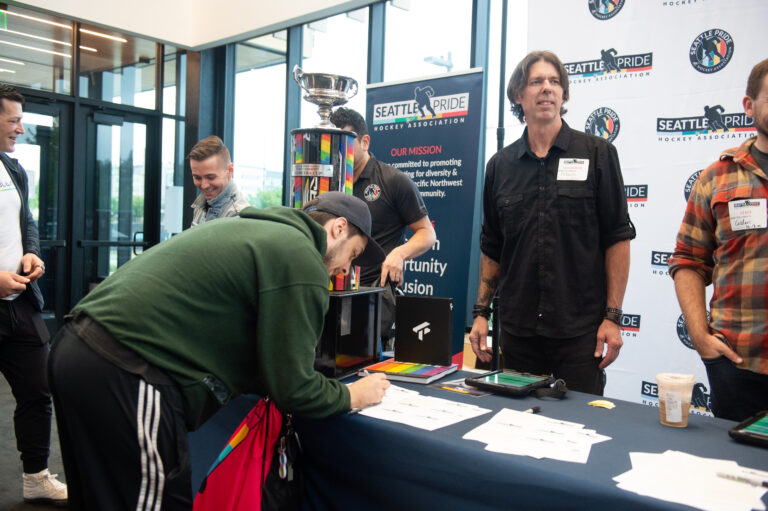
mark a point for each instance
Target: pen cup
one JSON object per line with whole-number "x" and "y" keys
{"x": 675, "y": 398}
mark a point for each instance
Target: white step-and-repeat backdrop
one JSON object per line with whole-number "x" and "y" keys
{"x": 664, "y": 81}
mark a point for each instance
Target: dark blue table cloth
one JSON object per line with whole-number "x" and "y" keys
{"x": 356, "y": 462}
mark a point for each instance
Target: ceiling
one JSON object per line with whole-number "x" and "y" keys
{"x": 194, "y": 24}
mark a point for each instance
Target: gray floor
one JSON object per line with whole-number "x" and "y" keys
{"x": 10, "y": 464}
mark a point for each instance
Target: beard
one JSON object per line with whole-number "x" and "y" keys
{"x": 761, "y": 125}
{"x": 329, "y": 257}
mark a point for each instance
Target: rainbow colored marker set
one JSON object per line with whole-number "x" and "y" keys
{"x": 349, "y": 282}
{"x": 406, "y": 368}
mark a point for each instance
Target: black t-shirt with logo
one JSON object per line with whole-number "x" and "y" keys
{"x": 394, "y": 202}
{"x": 548, "y": 222}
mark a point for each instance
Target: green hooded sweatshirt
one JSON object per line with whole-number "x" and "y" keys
{"x": 232, "y": 306}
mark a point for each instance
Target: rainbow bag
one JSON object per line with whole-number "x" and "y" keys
{"x": 256, "y": 469}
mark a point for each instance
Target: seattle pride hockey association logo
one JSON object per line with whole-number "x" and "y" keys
{"x": 610, "y": 64}
{"x": 603, "y": 123}
{"x": 711, "y": 51}
{"x": 605, "y": 9}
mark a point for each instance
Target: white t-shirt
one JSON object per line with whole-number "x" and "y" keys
{"x": 11, "y": 249}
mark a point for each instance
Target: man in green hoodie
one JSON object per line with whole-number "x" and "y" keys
{"x": 229, "y": 307}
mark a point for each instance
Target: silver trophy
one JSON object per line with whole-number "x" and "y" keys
{"x": 326, "y": 91}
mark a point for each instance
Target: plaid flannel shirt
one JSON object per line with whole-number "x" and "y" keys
{"x": 735, "y": 261}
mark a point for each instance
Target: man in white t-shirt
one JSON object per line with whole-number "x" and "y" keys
{"x": 23, "y": 335}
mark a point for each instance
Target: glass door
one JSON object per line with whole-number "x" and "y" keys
{"x": 40, "y": 151}
{"x": 115, "y": 179}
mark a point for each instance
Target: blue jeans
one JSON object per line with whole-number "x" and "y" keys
{"x": 734, "y": 393}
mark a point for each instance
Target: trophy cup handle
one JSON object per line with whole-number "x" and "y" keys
{"x": 352, "y": 90}
{"x": 297, "y": 74}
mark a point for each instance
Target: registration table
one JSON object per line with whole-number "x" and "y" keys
{"x": 357, "y": 462}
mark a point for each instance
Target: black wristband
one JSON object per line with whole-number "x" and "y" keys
{"x": 613, "y": 314}
{"x": 481, "y": 310}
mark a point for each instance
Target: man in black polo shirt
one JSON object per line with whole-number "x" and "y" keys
{"x": 555, "y": 239}
{"x": 395, "y": 203}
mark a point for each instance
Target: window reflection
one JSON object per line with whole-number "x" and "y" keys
{"x": 259, "y": 134}
{"x": 117, "y": 68}
{"x": 493, "y": 80}
{"x": 174, "y": 80}
{"x": 516, "y": 50}
{"x": 35, "y": 49}
{"x": 115, "y": 195}
{"x": 337, "y": 45}
{"x": 38, "y": 152}
{"x": 172, "y": 193}
{"x": 517, "y": 44}
{"x": 427, "y": 37}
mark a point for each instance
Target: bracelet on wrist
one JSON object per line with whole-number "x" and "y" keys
{"x": 481, "y": 310}
{"x": 613, "y": 314}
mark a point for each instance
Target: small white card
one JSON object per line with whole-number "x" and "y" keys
{"x": 573, "y": 169}
{"x": 747, "y": 214}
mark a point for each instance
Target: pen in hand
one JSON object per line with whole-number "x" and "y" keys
{"x": 353, "y": 411}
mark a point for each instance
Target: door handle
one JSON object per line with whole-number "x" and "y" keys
{"x": 137, "y": 243}
{"x": 101, "y": 243}
{"x": 53, "y": 243}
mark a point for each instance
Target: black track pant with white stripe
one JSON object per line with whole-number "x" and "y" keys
{"x": 123, "y": 441}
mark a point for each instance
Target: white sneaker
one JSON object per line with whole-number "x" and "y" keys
{"x": 44, "y": 488}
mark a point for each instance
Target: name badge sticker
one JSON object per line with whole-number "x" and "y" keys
{"x": 573, "y": 169}
{"x": 747, "y": 214}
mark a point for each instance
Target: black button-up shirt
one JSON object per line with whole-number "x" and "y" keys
{"x": 547, "y": 223}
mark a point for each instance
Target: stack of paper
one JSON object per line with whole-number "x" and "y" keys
{"x": 527, "y": 434}
{"x": 705, "y": 483}
{"x": 424, "y": 412}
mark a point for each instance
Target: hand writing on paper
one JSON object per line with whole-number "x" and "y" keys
{"x": 367, "y": 391}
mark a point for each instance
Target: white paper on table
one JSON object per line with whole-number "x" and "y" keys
{"x": 526, "y": 434}
{"x": 575, "y": 453}
{"x": 692, "y": 480}
{"x": 423, "y": 412}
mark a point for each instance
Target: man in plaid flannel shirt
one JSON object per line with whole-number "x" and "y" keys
{"x": 724, "y": 240}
